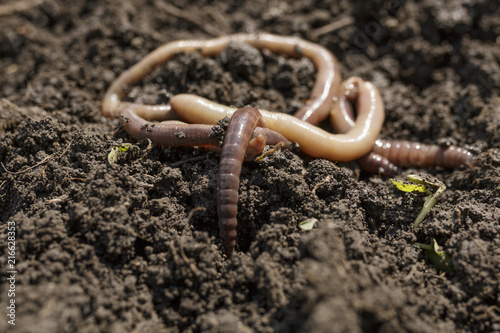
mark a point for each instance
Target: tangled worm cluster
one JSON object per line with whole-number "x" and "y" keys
{"x": 250, "y": 129}
{"x": 387, "y": 156}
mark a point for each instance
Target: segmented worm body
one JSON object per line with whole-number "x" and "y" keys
{"x": 373, "y": 163}
{"x": 168, "y": 133}
{"x": 407, "y": 154}
{"x": 239, "y": 134}
{"x": 246, "y": 137}
{"x": 247, "y": 133}
{"x": 242, "y": 124}
{"x": 179, "y": 134}
{"x": 388, "y": 156}
{"x": 312, "y": 140}
{"x": 328, "y": 76}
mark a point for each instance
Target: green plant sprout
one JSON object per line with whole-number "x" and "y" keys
{"x": 440, "y": 259}
{"x": 115, "y": 151}
{"x": 425, "y": 184}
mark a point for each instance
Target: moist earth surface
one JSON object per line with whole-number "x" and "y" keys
{"x": 134, "y": 246}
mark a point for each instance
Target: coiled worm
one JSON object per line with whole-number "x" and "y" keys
{"x": 242, "y": 131}
{"x": 312, "y": 140}
{"x": 247, "y": 133}
{"x": 317, "y": 108}
{"x": 388, "y": 155}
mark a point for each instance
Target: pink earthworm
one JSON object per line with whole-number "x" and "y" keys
{"x": 317, "y": 109}
{"x": 242, "y": 124}
{"x": 414, "y": 154}
{"x": 168, "y": 133}
{"x": 311, "y": 139}
{"x": 388, "y": 155}
{"x": 246, "y": 137}
{"x": 179, "y": 134}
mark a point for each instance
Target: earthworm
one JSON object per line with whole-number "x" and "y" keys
{"x": 176, "y": 133}
{"x": 388, "y": 155}
{"x": 373, "y": 163}
{"x": 312, "y": 140}
{"x": 242, "y": 124}
{"x": 407, "y": 154}
{"x": 245, "y": 138}
{"x": 151, "y": 112}
{"x": 246, "y": 135}
{"x": 168, "y": 133}
{"x": 327, "y": 78}
{"x": 342, "y": 120}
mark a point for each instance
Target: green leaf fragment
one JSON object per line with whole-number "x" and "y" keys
{"x": 115, "y": 151}
{"x": 308, "y": 224}
{"x": 440, "y": 259}
{"x": 423, "y": 183}
{"x": 406, "y": 187}
{"x": 124, "y": 147}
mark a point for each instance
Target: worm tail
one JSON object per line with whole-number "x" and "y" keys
{"x": 407, "y": 154}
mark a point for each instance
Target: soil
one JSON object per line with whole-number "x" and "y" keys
{"x": 123, "y": 247}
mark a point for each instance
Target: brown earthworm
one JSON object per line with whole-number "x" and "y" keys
{"x": 168, "y": 133}
{"x": 388, "y": 155}
{"x": 247, "y": 135}
{"x": 342, "y": 120}
{"x": 178, "y": 134}
{"x": 242, "y": 124}
{"x": 328, "y": 77}
{"x": 407, "y": 154}
{"x": 245, "y": 138}
{"x": 376, "y": 164}
{"x": 312, "y": 140}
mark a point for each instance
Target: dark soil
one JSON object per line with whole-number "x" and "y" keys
{"x": 111, "y": 248}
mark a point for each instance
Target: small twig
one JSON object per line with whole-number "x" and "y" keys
{"x": 174, "y": 253}
{"x": 28, "y": 169}
{"x": 333, "y": 26}
{"x": 147, "y": 150}
{"x": 177, "y": 12}
{"x": 188, "y": 262}
{"x": 39, "y": 163}
{"x": 326, "y": 181}
{"x": 278, "y": 146}
{"x": 145, "y": 185}
{"x": 71, "y": 178}
{"x": 194, "y": 210}
{"x": 411, "y": 272}
{"x": 16, "y": 108}
{"x": 3, "y": 195}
